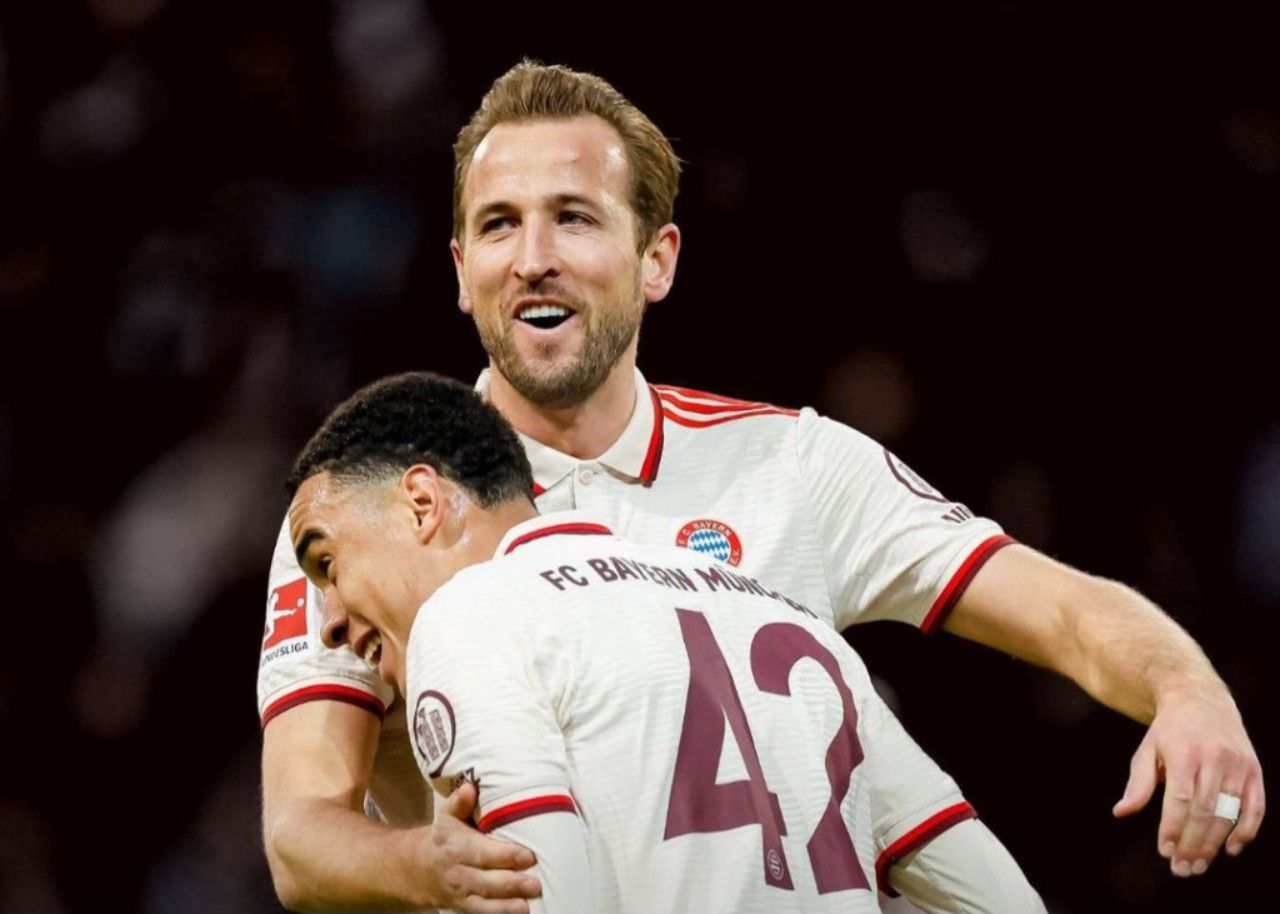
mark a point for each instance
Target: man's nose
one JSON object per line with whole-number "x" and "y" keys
{"x": 537, "y": 258}
{"x": 334, "y": 630}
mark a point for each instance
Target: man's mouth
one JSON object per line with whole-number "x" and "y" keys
{"x": 544, "y": 316}
{"x": 371, "y": 649}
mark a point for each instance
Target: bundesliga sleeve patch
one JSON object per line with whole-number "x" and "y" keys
{"x": 713, "y": 538}
{"x": 286, "y": 614}
{"x": 433, "y": 730}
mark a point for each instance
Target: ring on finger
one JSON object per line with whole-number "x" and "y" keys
{"x": 1227, "y": 807}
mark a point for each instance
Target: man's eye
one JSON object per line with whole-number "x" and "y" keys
{"x": 323, "y": 565}
{"x": 571, "y": 217}
{"x": 493, "y": 225}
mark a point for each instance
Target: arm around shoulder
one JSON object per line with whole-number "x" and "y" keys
{"x": 325, "y": 854}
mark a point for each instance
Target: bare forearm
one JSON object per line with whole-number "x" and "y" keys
{"x": 1115, "y": 644}
{"x": 325, "y": 857}
{"x": 1130, "y": 655}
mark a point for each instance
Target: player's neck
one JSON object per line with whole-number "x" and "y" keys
{"x": 584, "y": 431}
{"x": 482, "y": 530}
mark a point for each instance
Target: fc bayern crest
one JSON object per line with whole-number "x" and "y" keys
{"x": 433, "y": 730}
{"x": 712, "y": 538}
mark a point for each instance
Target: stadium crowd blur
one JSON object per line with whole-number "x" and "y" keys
{"x": 1034, "y": 259}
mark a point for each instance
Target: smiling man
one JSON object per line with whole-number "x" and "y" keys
{"x": 583, "y": 684}
{"x": 564, "y": 194}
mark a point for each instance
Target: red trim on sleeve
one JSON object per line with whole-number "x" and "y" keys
{"x": 959, "y": 582}
{"x": 514, "y": 812}
{"x": 919, "y": 836}
{"x": 579, "y": 529}
{"x": 344, "y": 694}
{"x": 653, "y": 457}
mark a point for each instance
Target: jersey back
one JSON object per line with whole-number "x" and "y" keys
{"x": 711, "y": 733}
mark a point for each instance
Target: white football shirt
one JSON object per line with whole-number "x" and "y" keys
{"x": 811, "y": 506}
{"x": 712, "y": 736}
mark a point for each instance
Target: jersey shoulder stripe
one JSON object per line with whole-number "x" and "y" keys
{"x": 698, "y": 409}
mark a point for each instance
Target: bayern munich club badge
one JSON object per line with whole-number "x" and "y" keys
{"x": 433, "y": 730}
{"x": 712, "y": 538}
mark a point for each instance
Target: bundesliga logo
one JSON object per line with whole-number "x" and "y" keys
{"x": 710, "y": 537}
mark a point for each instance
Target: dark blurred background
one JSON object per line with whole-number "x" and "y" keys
{"x": 1032, "y": 252}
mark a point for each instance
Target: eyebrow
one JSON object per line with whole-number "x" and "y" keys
{"x": 304, "y": 544}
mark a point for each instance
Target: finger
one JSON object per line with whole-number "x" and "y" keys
{"x": 1253, "y": 807}
{"x": 469, "y": 848}
{"x": 461, "y": 803}
{"x": 495, "y": 884}
{"x": 1179, "y": 791}
{"x": 1193, "y": 852}
{"x": 475, "y": 904}
{"x": 1142, "y": 782}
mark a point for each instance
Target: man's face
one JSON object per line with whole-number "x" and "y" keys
{"x": 356, "y": 542}
{"x": 548, "y": 264}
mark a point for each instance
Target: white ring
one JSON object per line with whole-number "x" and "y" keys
{"x": 1227, "y": 807}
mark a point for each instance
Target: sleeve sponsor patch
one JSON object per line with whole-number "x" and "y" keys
{"x": 286, "y": 614}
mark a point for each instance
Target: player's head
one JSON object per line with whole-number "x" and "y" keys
{"x": 384, "y": 493}
{"x": 531, "y": 91}
{"x": 563, "y": 198}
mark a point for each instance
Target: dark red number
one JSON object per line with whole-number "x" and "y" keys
{"x": 775, "y": 649}
{"x": 698, "y": 804}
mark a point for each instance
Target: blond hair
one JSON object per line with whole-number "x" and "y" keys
{"x": 531, "y": 91}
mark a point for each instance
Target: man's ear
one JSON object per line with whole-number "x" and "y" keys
{"x": 464, "y": 300}
{"x": 658, "y": 263}
{"x": 423, "y": 493}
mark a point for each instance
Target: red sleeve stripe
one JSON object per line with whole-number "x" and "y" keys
{"x": 955, "y": 589}
{"x": 344, "y": 694}
{"x": 705, "y": 423}
{"x": 919, "y": 836}
{"x": 653, "y": 457}
{"x": 579, "y": 529}
{"x": 514, "y": 812}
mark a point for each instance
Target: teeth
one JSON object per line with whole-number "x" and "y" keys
{"x": 371, "y": 649}
{"x": 536, "y": 311}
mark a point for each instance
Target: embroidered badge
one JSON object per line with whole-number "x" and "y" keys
{"x": 713, "y": 538}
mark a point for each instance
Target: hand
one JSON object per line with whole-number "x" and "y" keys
{"x": 1198, "y": 746}
{"x": 467, "y": 871}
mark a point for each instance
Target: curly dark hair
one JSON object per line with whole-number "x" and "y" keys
{"x": 418, "y": 417}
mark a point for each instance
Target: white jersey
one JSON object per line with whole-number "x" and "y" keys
{"x": 814, "y": 508}
{"x": 712, "y": 737}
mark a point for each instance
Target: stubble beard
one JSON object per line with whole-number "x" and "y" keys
{"x": 562, "y": 385}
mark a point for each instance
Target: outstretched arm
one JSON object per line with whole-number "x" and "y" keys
{"x": 325, "y": 854}
{"x": 1121, "y": 649}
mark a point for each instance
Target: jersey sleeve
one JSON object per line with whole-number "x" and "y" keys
{"x": 479, "y": 706}
{"x": 295, "y": 666}
{"x": 893, "y": 546}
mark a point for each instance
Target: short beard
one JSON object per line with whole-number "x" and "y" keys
{"x": 569, "y": 385}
